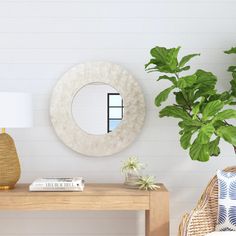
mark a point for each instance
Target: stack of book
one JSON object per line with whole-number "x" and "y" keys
{"x": 57, "y": 185}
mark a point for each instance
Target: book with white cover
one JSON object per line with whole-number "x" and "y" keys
{"x": 58, "y": 184}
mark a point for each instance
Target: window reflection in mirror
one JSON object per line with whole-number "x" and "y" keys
{"x": 115, "y": 110}
{"x": 97, "y": 108}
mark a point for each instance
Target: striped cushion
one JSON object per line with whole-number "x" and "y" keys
{"x": 226, "y": 220}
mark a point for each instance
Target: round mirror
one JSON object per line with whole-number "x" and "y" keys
{"x": 97, "y": 108}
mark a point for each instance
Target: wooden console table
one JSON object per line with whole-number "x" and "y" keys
{"x": 95, "y": 197}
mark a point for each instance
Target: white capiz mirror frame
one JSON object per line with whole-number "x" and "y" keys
{"x": 69, "y": 131}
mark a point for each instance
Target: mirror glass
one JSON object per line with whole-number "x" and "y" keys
{"x": 98, "y": 108}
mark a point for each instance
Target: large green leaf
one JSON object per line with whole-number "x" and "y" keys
{"x": 179, "y": 98}
{"x": 164, "y": 54}
{"x": 225, "y": 96}
{"x": 199, "y": 151}
{"x": 189, "y": 92}
{"x": 226, "y": 114}
{"x": 174, "y": 111}
{"x": 214, "y": 150}
{"x": 230, "y": 51}
{"x": 170, "y": 78}
{"x": 211, "y": 109}
{"x": 186, "y": 81}
{"x": 204, "y": 92}
{"x": 217, "y": 124}
{"x": 165, "y": 59}
{"x": 162, "y": 96}
{"x": 206, "y": 79}
{"x": 187, "y": 58}
{"x": 232, "y": 68}
{"x": 187, "y": 124}
{"x": 205, "y": 133}
{"x": 151, "y": 62}
{"x": 185, "y": 139}
{"x": 228, "y": 133}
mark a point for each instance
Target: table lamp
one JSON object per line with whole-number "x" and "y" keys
{"x": 15, "y": 112}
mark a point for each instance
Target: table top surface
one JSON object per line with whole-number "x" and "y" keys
{"x": 89, "y": 190}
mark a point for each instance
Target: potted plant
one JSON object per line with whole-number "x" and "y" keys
{"x": 147, "y": 183}
{"x": 204, "y": 113}
{"x": 132, "y": 168}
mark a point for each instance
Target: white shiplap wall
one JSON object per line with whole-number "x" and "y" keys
{"x": 40, "y": 40}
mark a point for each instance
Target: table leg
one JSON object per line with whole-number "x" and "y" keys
{"x": 157, "y": 217}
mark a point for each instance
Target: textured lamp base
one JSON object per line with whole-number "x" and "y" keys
{"x": 6, "y": 187}
{"x": 9, "y": 163}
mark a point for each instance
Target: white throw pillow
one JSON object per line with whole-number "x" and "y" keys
{"x": 221, "y": 234}
{"x": 226, "y": 202}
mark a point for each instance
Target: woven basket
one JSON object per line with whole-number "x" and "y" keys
{"x": 202, "y": 220}
{"x": 9, "y": 162}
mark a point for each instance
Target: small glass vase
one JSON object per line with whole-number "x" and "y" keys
{"x": 131, "y": 179}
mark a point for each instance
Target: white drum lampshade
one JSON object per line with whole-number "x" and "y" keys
{"x": 15, "y": 112}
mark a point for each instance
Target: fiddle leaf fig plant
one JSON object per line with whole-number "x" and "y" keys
{"x": 204, "y": 113}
